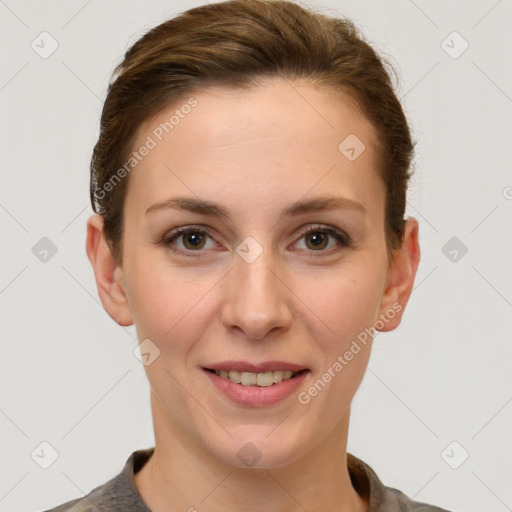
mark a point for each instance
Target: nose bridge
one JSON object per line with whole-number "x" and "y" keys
{"x": 256, "y": 300}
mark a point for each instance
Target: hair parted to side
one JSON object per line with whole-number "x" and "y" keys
{"x": 236, "y": 43}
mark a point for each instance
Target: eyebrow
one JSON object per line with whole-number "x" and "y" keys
{"x": 316, "y": 204}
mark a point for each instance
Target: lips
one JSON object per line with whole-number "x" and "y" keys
{"x": 250, "y": 391}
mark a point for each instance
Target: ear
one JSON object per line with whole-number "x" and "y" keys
{"x": 401, "y": 274}
{"x": 108, "y": 273}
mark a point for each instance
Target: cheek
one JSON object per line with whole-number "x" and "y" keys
{"x": 169, "y": 305}
{"x": 345, "y": 306}
{"x": 345, "y": 302}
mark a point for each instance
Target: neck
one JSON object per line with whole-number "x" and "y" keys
{"x": 182, "y": 475}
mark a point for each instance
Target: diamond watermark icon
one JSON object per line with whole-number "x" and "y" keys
{"x": 455, "y": 455}
{"x": 44, "y": 45}
{"x": 249, "y": 454}
{"x": 454, "y": 45}
{"x": 146, "y": 352}
{"x": 44, "y": 250}
{"x": 351, "y": 147}
{"x": 454, "y": 249}
{"x": 44, "y": 455}
{"x": 249, "y": 249}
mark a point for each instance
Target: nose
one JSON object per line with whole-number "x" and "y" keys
{"x": 257, "y": 299}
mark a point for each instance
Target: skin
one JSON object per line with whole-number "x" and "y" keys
{"x": 254, "y": 152}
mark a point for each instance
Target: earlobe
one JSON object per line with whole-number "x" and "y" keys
{"x": 108, "y": 273}
{"x": 402, "y": 273}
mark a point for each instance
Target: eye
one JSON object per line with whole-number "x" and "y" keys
{"x": 317, "y": 238}
{"x": 193, "y": 239}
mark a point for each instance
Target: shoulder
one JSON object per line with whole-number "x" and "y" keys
{"x": 382, "y": 498}
{"x": 88, "y": 503}
{"x": 119, "y": 493}
{"x": 397, "y": 500}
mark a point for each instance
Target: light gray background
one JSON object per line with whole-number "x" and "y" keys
{"x": 69, "y": 377}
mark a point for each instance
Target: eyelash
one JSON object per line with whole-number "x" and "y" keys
{"x": 343, "y": 238}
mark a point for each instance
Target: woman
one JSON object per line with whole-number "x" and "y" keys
{"x": 249, "y": 184}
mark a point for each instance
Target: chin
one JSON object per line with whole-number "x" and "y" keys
{"x": 259, "y": 450}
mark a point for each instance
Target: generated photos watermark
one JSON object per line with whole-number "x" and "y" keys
{"x": 157, "y": 135}
{"x": 344, "y": 359}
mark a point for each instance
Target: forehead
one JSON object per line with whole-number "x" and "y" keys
{"x": 243, "y": 146}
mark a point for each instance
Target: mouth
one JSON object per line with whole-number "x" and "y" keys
{"x": 257, "y": 379}
{"x": 256, "y": 385}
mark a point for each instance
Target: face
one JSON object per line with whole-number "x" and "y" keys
{"x": 291, "y": 275}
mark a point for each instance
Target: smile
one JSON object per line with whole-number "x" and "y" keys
{"x": 256, "y": 388}
{"x": 264, "y": 379}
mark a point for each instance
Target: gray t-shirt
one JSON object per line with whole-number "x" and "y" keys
{"x": 120, "y": 494}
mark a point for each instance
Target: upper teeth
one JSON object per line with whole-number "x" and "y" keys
{"x": 256, "y": 379}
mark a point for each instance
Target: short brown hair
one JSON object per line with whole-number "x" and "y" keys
{"x": 234, "y": 44}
